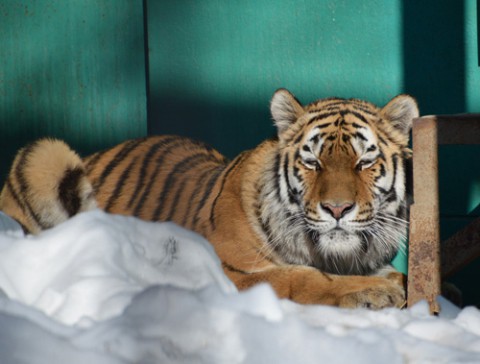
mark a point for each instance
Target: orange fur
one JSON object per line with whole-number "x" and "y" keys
{"x": 327, "y": 165}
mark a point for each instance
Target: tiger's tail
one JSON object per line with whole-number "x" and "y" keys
{"x": 46, "y": 185}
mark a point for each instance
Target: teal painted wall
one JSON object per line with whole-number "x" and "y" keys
{"x": 71, "y": 69}
{"x": 215, "y": 64}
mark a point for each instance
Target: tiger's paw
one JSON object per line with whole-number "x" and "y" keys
{"x": 386, "y": 295}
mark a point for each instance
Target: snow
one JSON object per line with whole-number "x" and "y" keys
{"x": 102, "y": 288}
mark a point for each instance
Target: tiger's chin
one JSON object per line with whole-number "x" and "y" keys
{"x": 341, "y": 252}
{"x": 339, "y": 242}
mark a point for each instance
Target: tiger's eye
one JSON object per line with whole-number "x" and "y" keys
{"x": 312, "y": 164}
{"x": 364, "y": 164}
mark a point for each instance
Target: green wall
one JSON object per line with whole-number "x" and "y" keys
{"x": 215, "y": 64}
{"x": 72, "y": 69}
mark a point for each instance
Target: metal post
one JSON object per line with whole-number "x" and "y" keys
{"x": 424, "y": 242}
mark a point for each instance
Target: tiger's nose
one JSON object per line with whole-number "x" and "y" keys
{"x": 338, "y": 210}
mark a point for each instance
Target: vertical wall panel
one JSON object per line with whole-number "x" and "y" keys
{"x": 71, "y": 69}
{"x": 215, "y": 64}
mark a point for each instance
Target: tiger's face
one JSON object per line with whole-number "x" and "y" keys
{"x": 343, "y": 177}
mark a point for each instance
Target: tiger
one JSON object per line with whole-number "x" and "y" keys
{"x": 317, "y": 212}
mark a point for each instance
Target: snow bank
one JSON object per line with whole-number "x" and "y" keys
{"x": 113, "y": 289}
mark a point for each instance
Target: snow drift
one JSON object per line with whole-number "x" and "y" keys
{"x": 112, "y": 289}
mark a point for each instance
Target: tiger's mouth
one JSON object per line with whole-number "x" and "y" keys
{"x": 378, "y": 232}
{"x": 339, "y": 240}
{"x": 346, "y": 226}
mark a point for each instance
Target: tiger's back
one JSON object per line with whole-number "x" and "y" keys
{"x": 162, "y": 178}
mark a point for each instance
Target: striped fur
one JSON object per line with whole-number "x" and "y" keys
{"x": 318, "y": 212}
{"x": 47, "y": 185}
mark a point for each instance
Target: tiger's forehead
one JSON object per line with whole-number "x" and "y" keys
{"x": 347, "y": 124}
{"x": 335, "y": 104}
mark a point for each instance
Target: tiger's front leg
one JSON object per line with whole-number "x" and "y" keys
{"x": 308, "y": 285}
{"x": 247, "y": 261}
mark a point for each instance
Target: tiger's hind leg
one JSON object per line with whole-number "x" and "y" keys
{"x": 46, "y": 185}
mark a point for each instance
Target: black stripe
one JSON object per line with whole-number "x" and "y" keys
{"x": 392, "y": 194}
{"x": 199, "y": 184}
{"x": 127, "y": 148}
{"x": 365, "y": 110}
{"x": 296, "y": 172}
{"x": 206, "y": 194}
{"x": 236, "y": 162}
{"x": 176, "y": 141}
{"x": 329, "y": 104}
{"x": 231, "y": 268}
{"x": 24, "y": 187}
{"x": 321, "y": 117}
{"x": 278, "y": 175}
{"x": 360, "y": 136}
{"x": 330, "y": 149}
{"x": 359, "y": 116}
{"x": 68, "y": 190}
{"x": 176, "y": 200}
{"x": 381, "y": 156}
{"x": 92, "y": 161}
{"x": 382, "y": 139}
{"x": 395, "y": 167}
{"x": 146, "y": 160}
{"x": 383, "y": 171}
{"x": 382, "y": 190}
{"x": 180, "y": 168}
{"x": 290, "y": 190}
{"x": 358, "y": 126}
{"x": 117, "y": 193}
{"x": 267, "y": 230}
{"x": 17, "y": 200}
{"x": 316, "y": 138}
{"x": 298, "y": 138}
{"x": 391, "y": 197}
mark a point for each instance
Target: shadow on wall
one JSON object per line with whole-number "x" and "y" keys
{"x": 214, "y": 65}
{"x": 226, "y": 126}
{"x": 434, "y": 72}
{"x": 434, "y": 55}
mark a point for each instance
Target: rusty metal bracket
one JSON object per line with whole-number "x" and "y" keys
{"x": 461, "y": 248}
{"x": 424, "y": 240}
{"x": 425, "y": 268}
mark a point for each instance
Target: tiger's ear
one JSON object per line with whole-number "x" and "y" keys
{"x": 285, "y": 109}
{"x": 400, "y": 111}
